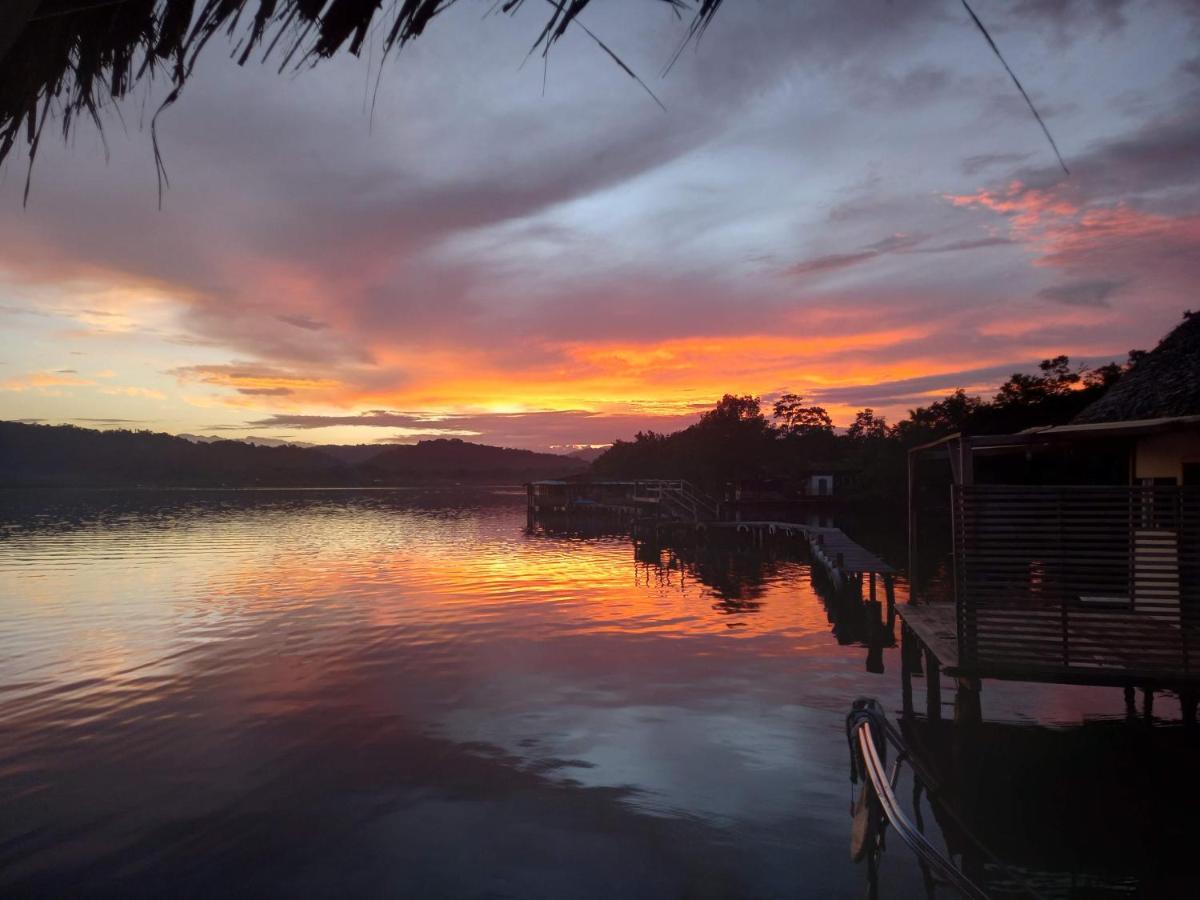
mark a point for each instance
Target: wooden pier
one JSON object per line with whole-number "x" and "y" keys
{"x": 848, "y": 565}
{"x": 653, "y": 508}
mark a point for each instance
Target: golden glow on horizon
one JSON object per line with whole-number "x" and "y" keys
{"x": 827, "y": 352}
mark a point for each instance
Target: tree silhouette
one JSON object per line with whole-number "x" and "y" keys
{"x": 867, "y": 426}
{"x": 797, "y": 417}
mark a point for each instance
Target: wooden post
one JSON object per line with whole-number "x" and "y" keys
{"x": 967, "y": 708}
{"x": 914, "y": 650}
{"x": 907, "y": 648}
{"x": 933, "y": 687}
{"x": 912, "y": 525}
{"x": 1187, "y": 706}
{"x": 1148, "y": 705}
{"x": 872, "y": 612}
{"x": 889, "y": 592}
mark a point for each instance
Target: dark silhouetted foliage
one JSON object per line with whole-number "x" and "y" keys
{"x": 735, "y": 441}
{"x": 67, "y": 456}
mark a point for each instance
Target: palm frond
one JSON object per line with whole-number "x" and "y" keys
{"x": 76, "y": 57}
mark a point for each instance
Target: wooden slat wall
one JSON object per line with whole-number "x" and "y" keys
{"x": 1078, "y": 578}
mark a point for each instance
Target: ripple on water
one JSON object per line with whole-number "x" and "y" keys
{"x": 406, "y": 693}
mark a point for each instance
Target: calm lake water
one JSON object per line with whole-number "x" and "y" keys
{"x": 405, "y": 693}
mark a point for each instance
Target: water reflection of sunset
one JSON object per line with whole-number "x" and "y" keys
{"x": 412, "y": 662}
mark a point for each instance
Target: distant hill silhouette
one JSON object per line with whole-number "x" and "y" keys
{"x": 455, "y": 459}
{"x": 351, "y": 454}
{"x": 588, "y": 454}
{"x": 67, "y": 456}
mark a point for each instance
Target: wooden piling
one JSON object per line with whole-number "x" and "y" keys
{"x": 1187, "y": 707}
{"x": 907, "y": 651}
{"x": 933, "y": 687}
{"x": 968, "y": 710}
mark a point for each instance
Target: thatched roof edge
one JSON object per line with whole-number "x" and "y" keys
{"x": 1163, "y": 383}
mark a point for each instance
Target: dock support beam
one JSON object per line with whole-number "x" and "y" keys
{"x": 912, "y": 524}
{"x": 968, "y": 710}
{"x": 1187, "y": 706}
{"x": 933, "y": 687}
{"x": 907, "y": 651}
{"x": 873, "y": 612}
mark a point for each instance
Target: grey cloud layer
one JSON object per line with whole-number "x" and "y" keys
{"x": 473, "y": 215}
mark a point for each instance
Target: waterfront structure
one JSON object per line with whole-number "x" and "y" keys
{"x": 1073, "y": 552}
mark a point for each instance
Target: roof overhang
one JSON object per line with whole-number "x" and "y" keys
{"x": 1049, "y": 435}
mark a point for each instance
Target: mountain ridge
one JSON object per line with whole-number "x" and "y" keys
{"x": 35, "y": 455}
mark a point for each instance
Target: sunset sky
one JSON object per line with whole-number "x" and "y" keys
{"x": 844, "y": 199}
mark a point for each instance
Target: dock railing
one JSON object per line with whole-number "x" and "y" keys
{"x": 1081, "y": 580}
{"x": 682, "y": 496}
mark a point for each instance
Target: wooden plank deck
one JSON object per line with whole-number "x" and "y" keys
{"x": 856, "y": 559}
{"x": 935, "y": 626}
{"x": 1102, "y": 657}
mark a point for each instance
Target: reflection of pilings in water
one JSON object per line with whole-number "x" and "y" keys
{"x": 846, "y": 576}
{"x": 999, "y": 794}
{"x": 867, "y": 621}
{"x": 585, "y": 523}
{"x": 733, "y": 566}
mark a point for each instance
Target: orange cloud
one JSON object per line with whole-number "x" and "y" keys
{"x": 41, "y": 380}
{"x": 1029, "y": 208}
{"x": 1064, "y": 231}
{"x": 260, "y": 380}
{"x": 133, "y": 391}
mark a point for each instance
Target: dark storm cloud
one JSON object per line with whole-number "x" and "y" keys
{"x": 477, "y": 226}
{"x": 969, "y": 244}
{"x": 312, "y": 258}
{"x": 981, "y": 162}
{"x": 1013, "y": 106}
{"x": 266, "y": 392}
{"x": 897, "y": 243}
{"x": 1159, "y": 155}
{"x": 544, "y": 428}
{"x": 917, "y": 86}
{"x": 302, "y": 321}
{"x": 917, "y": 390}
{"x": 375, "y": 418}
{"x": 831, "y": 262}
{"x": 1072, "y": 18}
{"x": 1082, "y": 293}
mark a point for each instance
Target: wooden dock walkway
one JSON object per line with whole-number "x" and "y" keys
{"x": 656, "y": 506}
{"x": 935, "y": 626}
{"x": 847, "y": 564}
{"x": 851, "y": 557}
{"x": 833, "y": 543}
